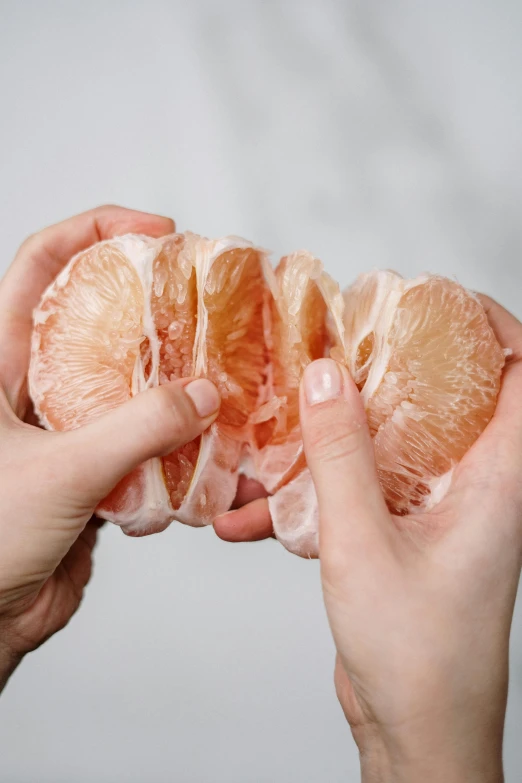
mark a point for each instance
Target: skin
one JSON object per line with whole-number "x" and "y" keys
{"x": 52, "y": 481}
{"x": 420, "y": 606}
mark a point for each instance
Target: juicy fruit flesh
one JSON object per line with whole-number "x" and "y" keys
{"x": 300, "y": 336}
{"x": 235, "y": 351}
{"x": 302, "y": 296}
{"x": 297, "y": 316}
{"x": 136, "y": 312}
{"x": 97, "y": 349}
{"x": 428, "y": 366}
{"x": 174, "y": 308}
{"x": 231, "y": 351}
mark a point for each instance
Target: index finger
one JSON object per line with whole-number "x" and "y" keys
{"x": 508, "y": 331}
{"x": 38, "y": 262}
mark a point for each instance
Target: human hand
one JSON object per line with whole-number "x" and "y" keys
{"x": 51, "y": 482}
{"x": 420, "y": 606}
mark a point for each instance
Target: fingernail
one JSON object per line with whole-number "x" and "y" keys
{"x": 204, "y": 396}
{"x": 322, "y": 381}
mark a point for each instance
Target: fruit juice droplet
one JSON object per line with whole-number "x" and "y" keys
{"x": 175, "y": 330}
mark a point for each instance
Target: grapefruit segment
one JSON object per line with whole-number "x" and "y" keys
{"x": 303, "y": 296}
{"x": 229, "y": 350}
{"x": 295, "y": 515}
{"x": 429, "y": 367}
{"x": 174, "y": 311}
{"x": 88, "y": 329}
{"x": 232, "y": 352}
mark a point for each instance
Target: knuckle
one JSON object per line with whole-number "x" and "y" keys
{"x": 335, "y": 440}
{"x": 29, "y": 244}
{"x": 103, "y": 209}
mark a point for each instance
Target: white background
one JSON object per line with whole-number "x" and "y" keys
{"x": 374, "y": 134}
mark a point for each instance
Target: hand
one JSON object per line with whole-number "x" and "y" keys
{"x": 420, "y": 606}
{"x": 52, "y": 482}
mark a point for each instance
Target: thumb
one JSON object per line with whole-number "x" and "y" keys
{"x": 339, "y": 453}
{"x": 152, "y": 424}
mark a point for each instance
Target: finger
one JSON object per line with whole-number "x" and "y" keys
{"x": 507, "y": 328}
{"x": 250, "y": 523}
{"x": 508, "y": 331}
{"x": 154, "y": 423}
{"x": 39, "y": 261}
{"x": 7, "y": 415}
{"x": 247, "y": 490}
{"x": 44, "y": 254}
{"x": 339, "y": 453}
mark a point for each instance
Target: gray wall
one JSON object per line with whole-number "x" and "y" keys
{"x": 375, "y": 134}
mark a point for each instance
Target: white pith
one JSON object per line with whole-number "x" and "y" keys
{"x": 391, "y": 287}
{"x": 298, "y": 530}
{"x": 439, "y": 487}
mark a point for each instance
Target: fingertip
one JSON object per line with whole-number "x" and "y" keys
{"x": 161, "y": 226}
{"x": 113, "y": 221}
{"x": 322, "y": 382}
{"x": 325, "y": 385}
{"x": 249, "y": 523}
{"x": 204, "y": 396}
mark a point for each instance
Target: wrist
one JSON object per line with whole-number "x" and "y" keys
{"x": 431, "y": 754}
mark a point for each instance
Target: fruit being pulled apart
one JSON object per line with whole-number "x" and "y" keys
{"x": 136, "y": 312}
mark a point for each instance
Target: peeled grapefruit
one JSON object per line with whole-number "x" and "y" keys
{"x": 300, "y": 298}
{"x": 135, "y": 312}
